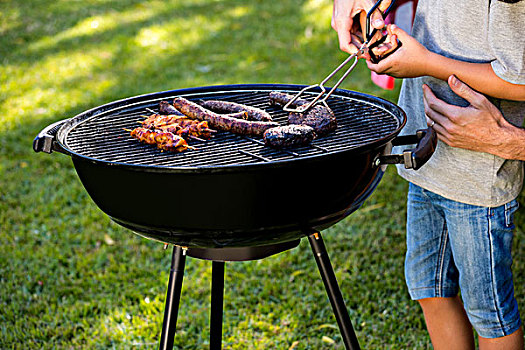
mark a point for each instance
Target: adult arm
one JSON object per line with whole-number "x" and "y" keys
{"x": 478, "y": 127}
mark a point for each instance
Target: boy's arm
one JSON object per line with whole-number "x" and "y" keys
{"x": 480, "y": 76}
{"x": 413, "y": 60}
{"x": 477, "y": 127}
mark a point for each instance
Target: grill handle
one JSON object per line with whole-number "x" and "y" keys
{"x": 45, "y": 140}
{"x": 415, "y": 158}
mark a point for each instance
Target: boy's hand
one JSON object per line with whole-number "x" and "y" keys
{"x": 408, "y": 61}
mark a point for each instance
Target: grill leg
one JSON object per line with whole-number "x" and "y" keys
{"x": 178, "y": 260}
{"x": 333, "y": 291}
{"x": 217, "y": 301}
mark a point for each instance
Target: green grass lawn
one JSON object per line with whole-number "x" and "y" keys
{"x": 72, "y": 279}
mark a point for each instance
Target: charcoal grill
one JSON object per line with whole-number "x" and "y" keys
{"x": 233, "y": 198}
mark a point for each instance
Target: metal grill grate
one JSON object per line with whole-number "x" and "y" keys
{"x": 102, "y": 136}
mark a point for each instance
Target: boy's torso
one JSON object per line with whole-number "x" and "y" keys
{"x": 465, "y": 30}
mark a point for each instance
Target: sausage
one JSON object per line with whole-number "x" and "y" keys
{"x": 319, "y": 117}
{"x": 166, "y": 108}
{"x": 281, "y": 98}
{"x": 289, "y": 135}
{"x": 231, "y": 107}
{"x": 221, "y": 121}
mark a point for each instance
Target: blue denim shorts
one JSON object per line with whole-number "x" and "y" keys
{"x": 453, "y": 246}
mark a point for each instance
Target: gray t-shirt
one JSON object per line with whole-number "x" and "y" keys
{"x": 480, "y": 31}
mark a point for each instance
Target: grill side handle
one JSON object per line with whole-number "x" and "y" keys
{"x": 45, "y": 140}
{"x": 414, "y": 158}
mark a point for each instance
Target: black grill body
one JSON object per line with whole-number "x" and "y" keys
{"x": 241, "y": 207}
{"x": 232, "y": 191}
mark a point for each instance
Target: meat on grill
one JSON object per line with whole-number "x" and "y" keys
{"x": 221, "y": 121}
{"x": 178, "y": 124}
{"x": 166, "y": 108}
{"x": 185, "y": 132}
{"x": 232, "y": 107}
{"x": 319, "y": 117}
{"x": 289, "y": 135}
{"x": 163, "y": 140}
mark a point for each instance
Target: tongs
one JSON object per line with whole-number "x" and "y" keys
{"x": 366, "y": 45}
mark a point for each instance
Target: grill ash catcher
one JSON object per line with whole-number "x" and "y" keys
{"x": 259, "y": 201}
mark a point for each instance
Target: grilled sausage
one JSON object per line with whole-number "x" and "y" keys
{"x": 319, "y": 117}
{"x": 166, "y": 108}
{"x": 289, "y": 135}
{"x": 232, "y": 107}
{"x": 221, "y": 121}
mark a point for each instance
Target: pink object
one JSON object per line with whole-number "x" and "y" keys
{"x": 383, "y": 81}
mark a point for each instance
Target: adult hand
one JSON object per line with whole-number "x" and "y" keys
{"x": 478, "y": 127}
{"x": 350, "y": 28}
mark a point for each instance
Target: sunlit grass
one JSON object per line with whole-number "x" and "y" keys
{"x": 57, "y": 82}
{"x": 89, "y": 27}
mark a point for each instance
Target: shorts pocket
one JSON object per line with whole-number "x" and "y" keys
{"x": 510, "y": 208}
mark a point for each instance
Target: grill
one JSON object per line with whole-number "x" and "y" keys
{"x": 233, "y": 198}
{"x": 102, "y": 137}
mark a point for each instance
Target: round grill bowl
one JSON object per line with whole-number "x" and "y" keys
{"x": 232, "y": 191}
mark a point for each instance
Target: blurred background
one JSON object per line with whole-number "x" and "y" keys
{"x": 72, "y": 279}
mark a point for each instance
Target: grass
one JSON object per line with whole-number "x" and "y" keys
{"x": 72, "y": 279}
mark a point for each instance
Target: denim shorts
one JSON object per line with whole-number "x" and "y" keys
{"x": 453, "y": 247}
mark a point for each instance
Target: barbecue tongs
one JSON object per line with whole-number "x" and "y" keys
{"x": 366, "y": 45}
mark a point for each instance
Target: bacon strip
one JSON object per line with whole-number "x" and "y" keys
{"x": 163, "y": 140}
{"x": 178, "y": 124}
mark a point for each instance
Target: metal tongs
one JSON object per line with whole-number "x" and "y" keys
{"x": 366, "y": 45}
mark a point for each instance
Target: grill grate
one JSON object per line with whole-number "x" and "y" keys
{"x": 102, "y": 136}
